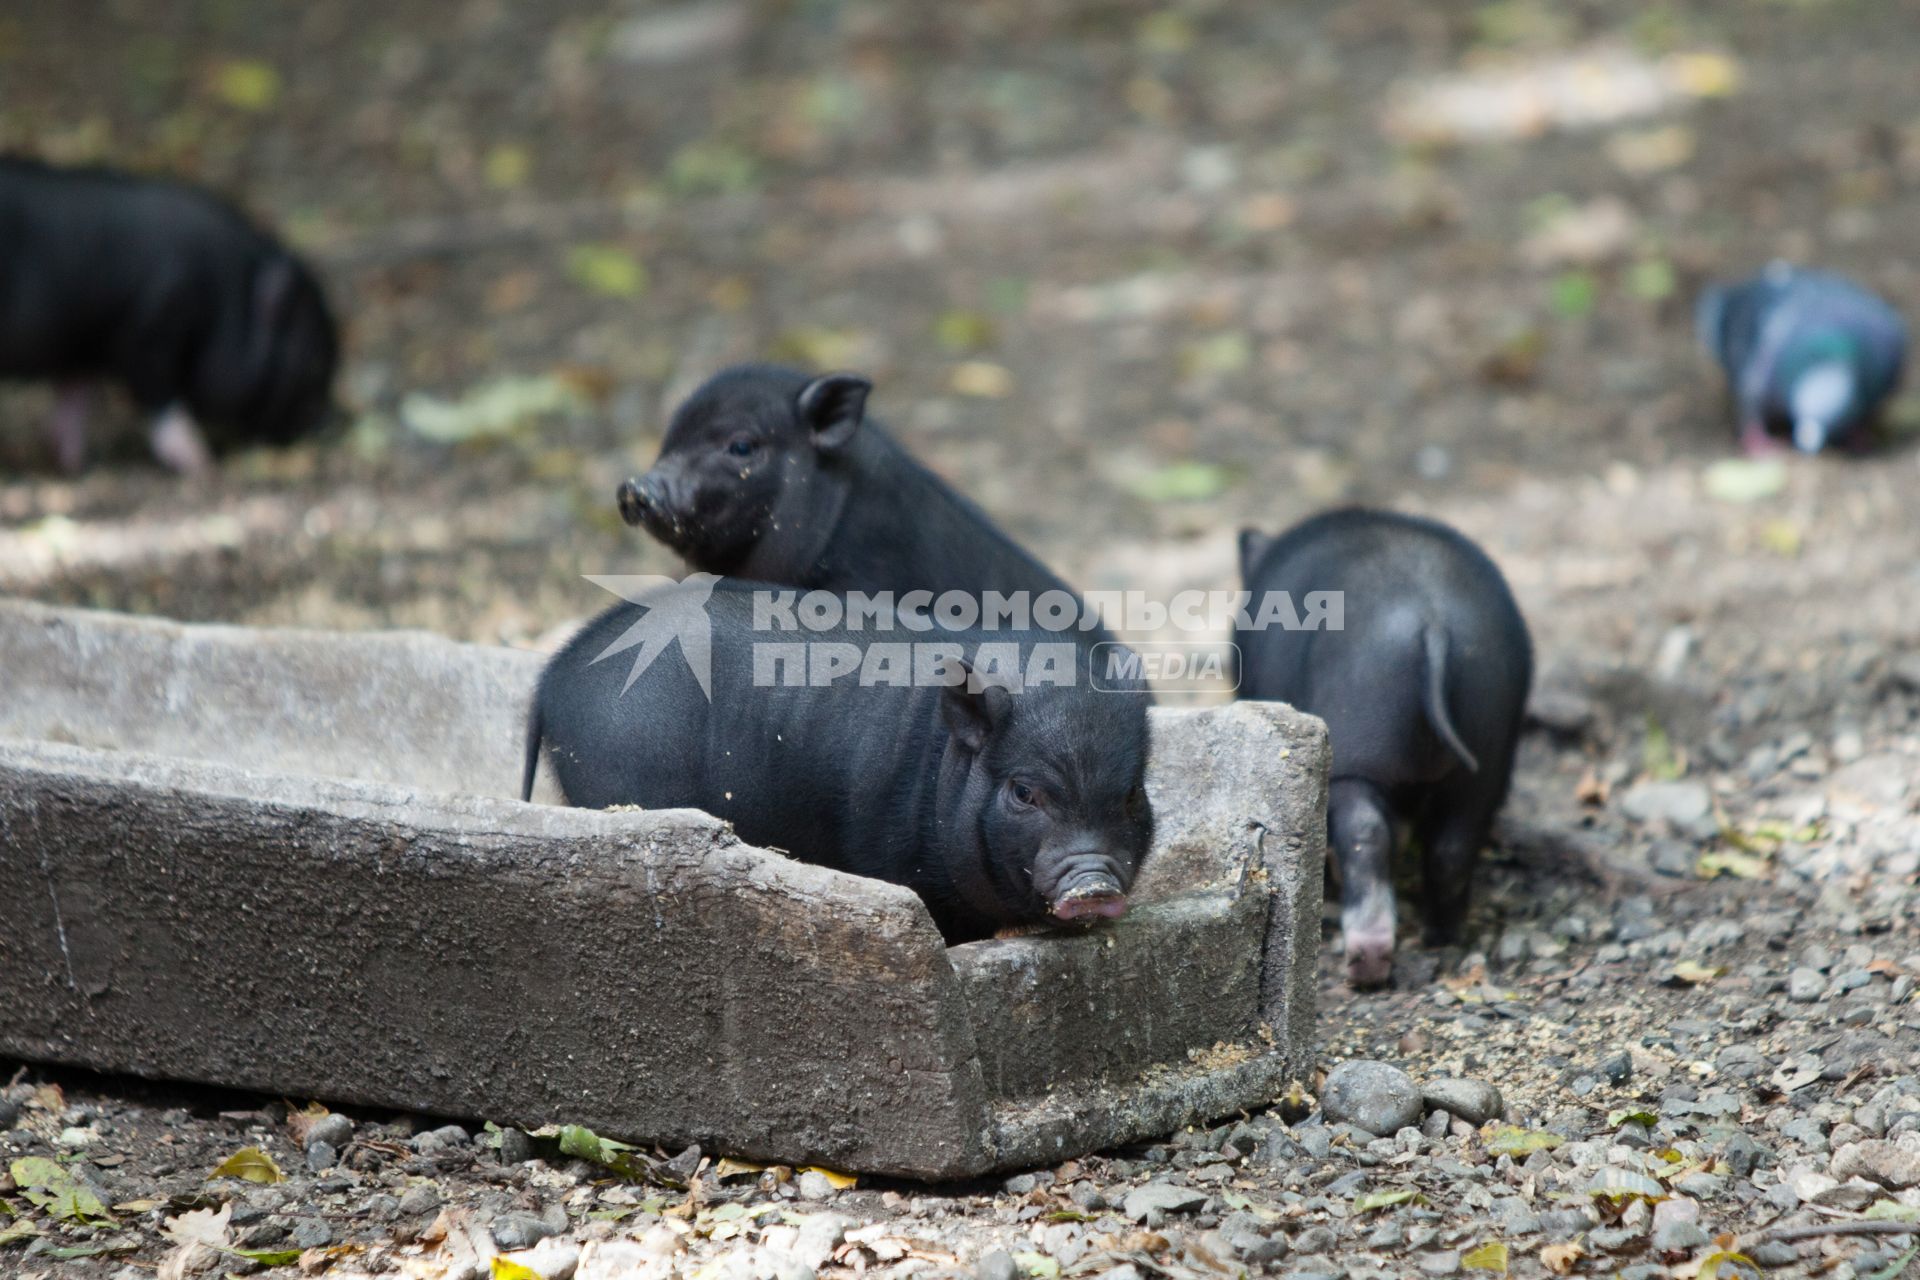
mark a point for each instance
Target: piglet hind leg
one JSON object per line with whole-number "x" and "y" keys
{"x": 178, "y": 443}
{"x": 1451, "y": 841}
{"x": 1360, "y": 837}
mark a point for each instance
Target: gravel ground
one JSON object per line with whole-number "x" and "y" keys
{"x": 1132, "y": 276}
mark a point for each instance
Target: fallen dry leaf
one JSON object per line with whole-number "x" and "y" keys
{"x": 1559, "y": 1258}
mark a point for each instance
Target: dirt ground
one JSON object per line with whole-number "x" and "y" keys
{"x": 1132, "y": 276}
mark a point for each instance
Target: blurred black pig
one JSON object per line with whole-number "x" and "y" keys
{"x": 220, "y": 334}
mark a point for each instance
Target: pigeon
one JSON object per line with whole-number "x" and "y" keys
{"x": 1808, "y": 354}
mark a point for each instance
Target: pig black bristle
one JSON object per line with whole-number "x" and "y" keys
{"x": 1436, "y": 696}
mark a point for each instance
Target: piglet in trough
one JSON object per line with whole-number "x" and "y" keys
{"x": 1422, "y": 687}
{"x": 220, "y": 334}
{"x": 893, "y": 754}
{"x": 767, "y": 473}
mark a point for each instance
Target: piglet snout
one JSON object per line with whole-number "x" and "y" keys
{"x": 636, "y": 500}
{"x": 1369, "y": 953}
{"x": 1088, "y": 894}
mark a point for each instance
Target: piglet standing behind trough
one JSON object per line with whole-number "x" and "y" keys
{"x": 770, "y": 474}
{"x": 882, "y": 752}
{"x": 220, "y": 334}
{"x": 1422, "y": 687}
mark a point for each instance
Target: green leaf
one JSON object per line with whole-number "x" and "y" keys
{"x": 72, "y": 1252}
{"x": 249, "y": 1164}
{"x": 1491, "y": 1256}
{"x": 1382, "y": 1199}
{"x": 1037, "y": 1264}
{"x": 507, "y": 165}
{"x": 1744, "y": 480}
{"x": 1223, "y": 353}
{"x": 496, "y": 408}
{"x": 1573, "y": 293}
{"x": 269, "y": 1257}
{"x": 20, "y": 1230}
{"x": 711, "y": 168}
{"x": 1658, "y": 759}
{"x": 1651, "y": 280}
{"x": 53, "y": 1187}
{"x": 1898, "y": 1267}
{"x": 963, "y": 331}
{"x": 1622, "y": 1185}
{"x": 1891, "y": 1211}
{"x": 584, "y": 1144}
{"x": 606, "y": 269}
{"x": 1182, "y": 482}
{"x": 1511, "y": 1141}
{"x": 247, "y": 84}
{"x": 1710, "y": 1266}
{"x": 1617, "y": 1118}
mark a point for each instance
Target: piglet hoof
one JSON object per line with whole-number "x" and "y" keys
{"x": 1369, "y": 962}
{"x": 1757, "y": 443}
{"x": 633, "y": 503}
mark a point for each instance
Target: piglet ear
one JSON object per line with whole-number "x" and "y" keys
{"x": 831, "y": 407}
{"x": 1254, "y": 545}
{"x": 972, "y": 708}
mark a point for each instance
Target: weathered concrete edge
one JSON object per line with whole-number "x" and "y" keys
{"x": 146, "y": 822}
{"x": 1032, "y": 1132}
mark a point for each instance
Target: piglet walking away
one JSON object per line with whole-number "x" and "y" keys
{"x": 220, "y": 334}
{"x": 884, "y": 752}
{"x": 1422, "y": 687}
{"x": 767, "y": 473}
{"x": 1808, "y": 355}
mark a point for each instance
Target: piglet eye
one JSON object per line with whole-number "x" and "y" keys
{"x": 740, "y": 446}
{"x": 1022, "y": 794}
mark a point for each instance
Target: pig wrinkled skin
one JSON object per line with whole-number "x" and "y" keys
{"x": 210, "y": 324}
{"x": 998, "y": 808}
{"x": 1422, "y": 689}
{"x": 769, "y": 474}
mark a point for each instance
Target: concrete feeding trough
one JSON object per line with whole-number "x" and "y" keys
{"x": 289, "y": 862}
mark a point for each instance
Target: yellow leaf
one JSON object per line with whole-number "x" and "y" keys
{"x": 1729, "y": 862}
{"x": 1559, "y": 1258}
{"x": 1511, "y": 1141}
{"x": 606, "y": 269}
{"x": 249, "y": 1164}
{"x": 507, "y": 166}
{"x": 982, "y": 380}
{"x": 1491, "y": 1256}
{"x": 504, "y": 1270}
{"x": 1742, "y": 480}
{"x": 731, "y": 1168}
{"x": 838, "y": 1181}
{"x": 1782, "y": 537}
{"x": 1710, "y": 1266}
{"x": 246, "y": 84}
{"x": 1704, "y": 75}
{"x": 1695, "y": 975}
